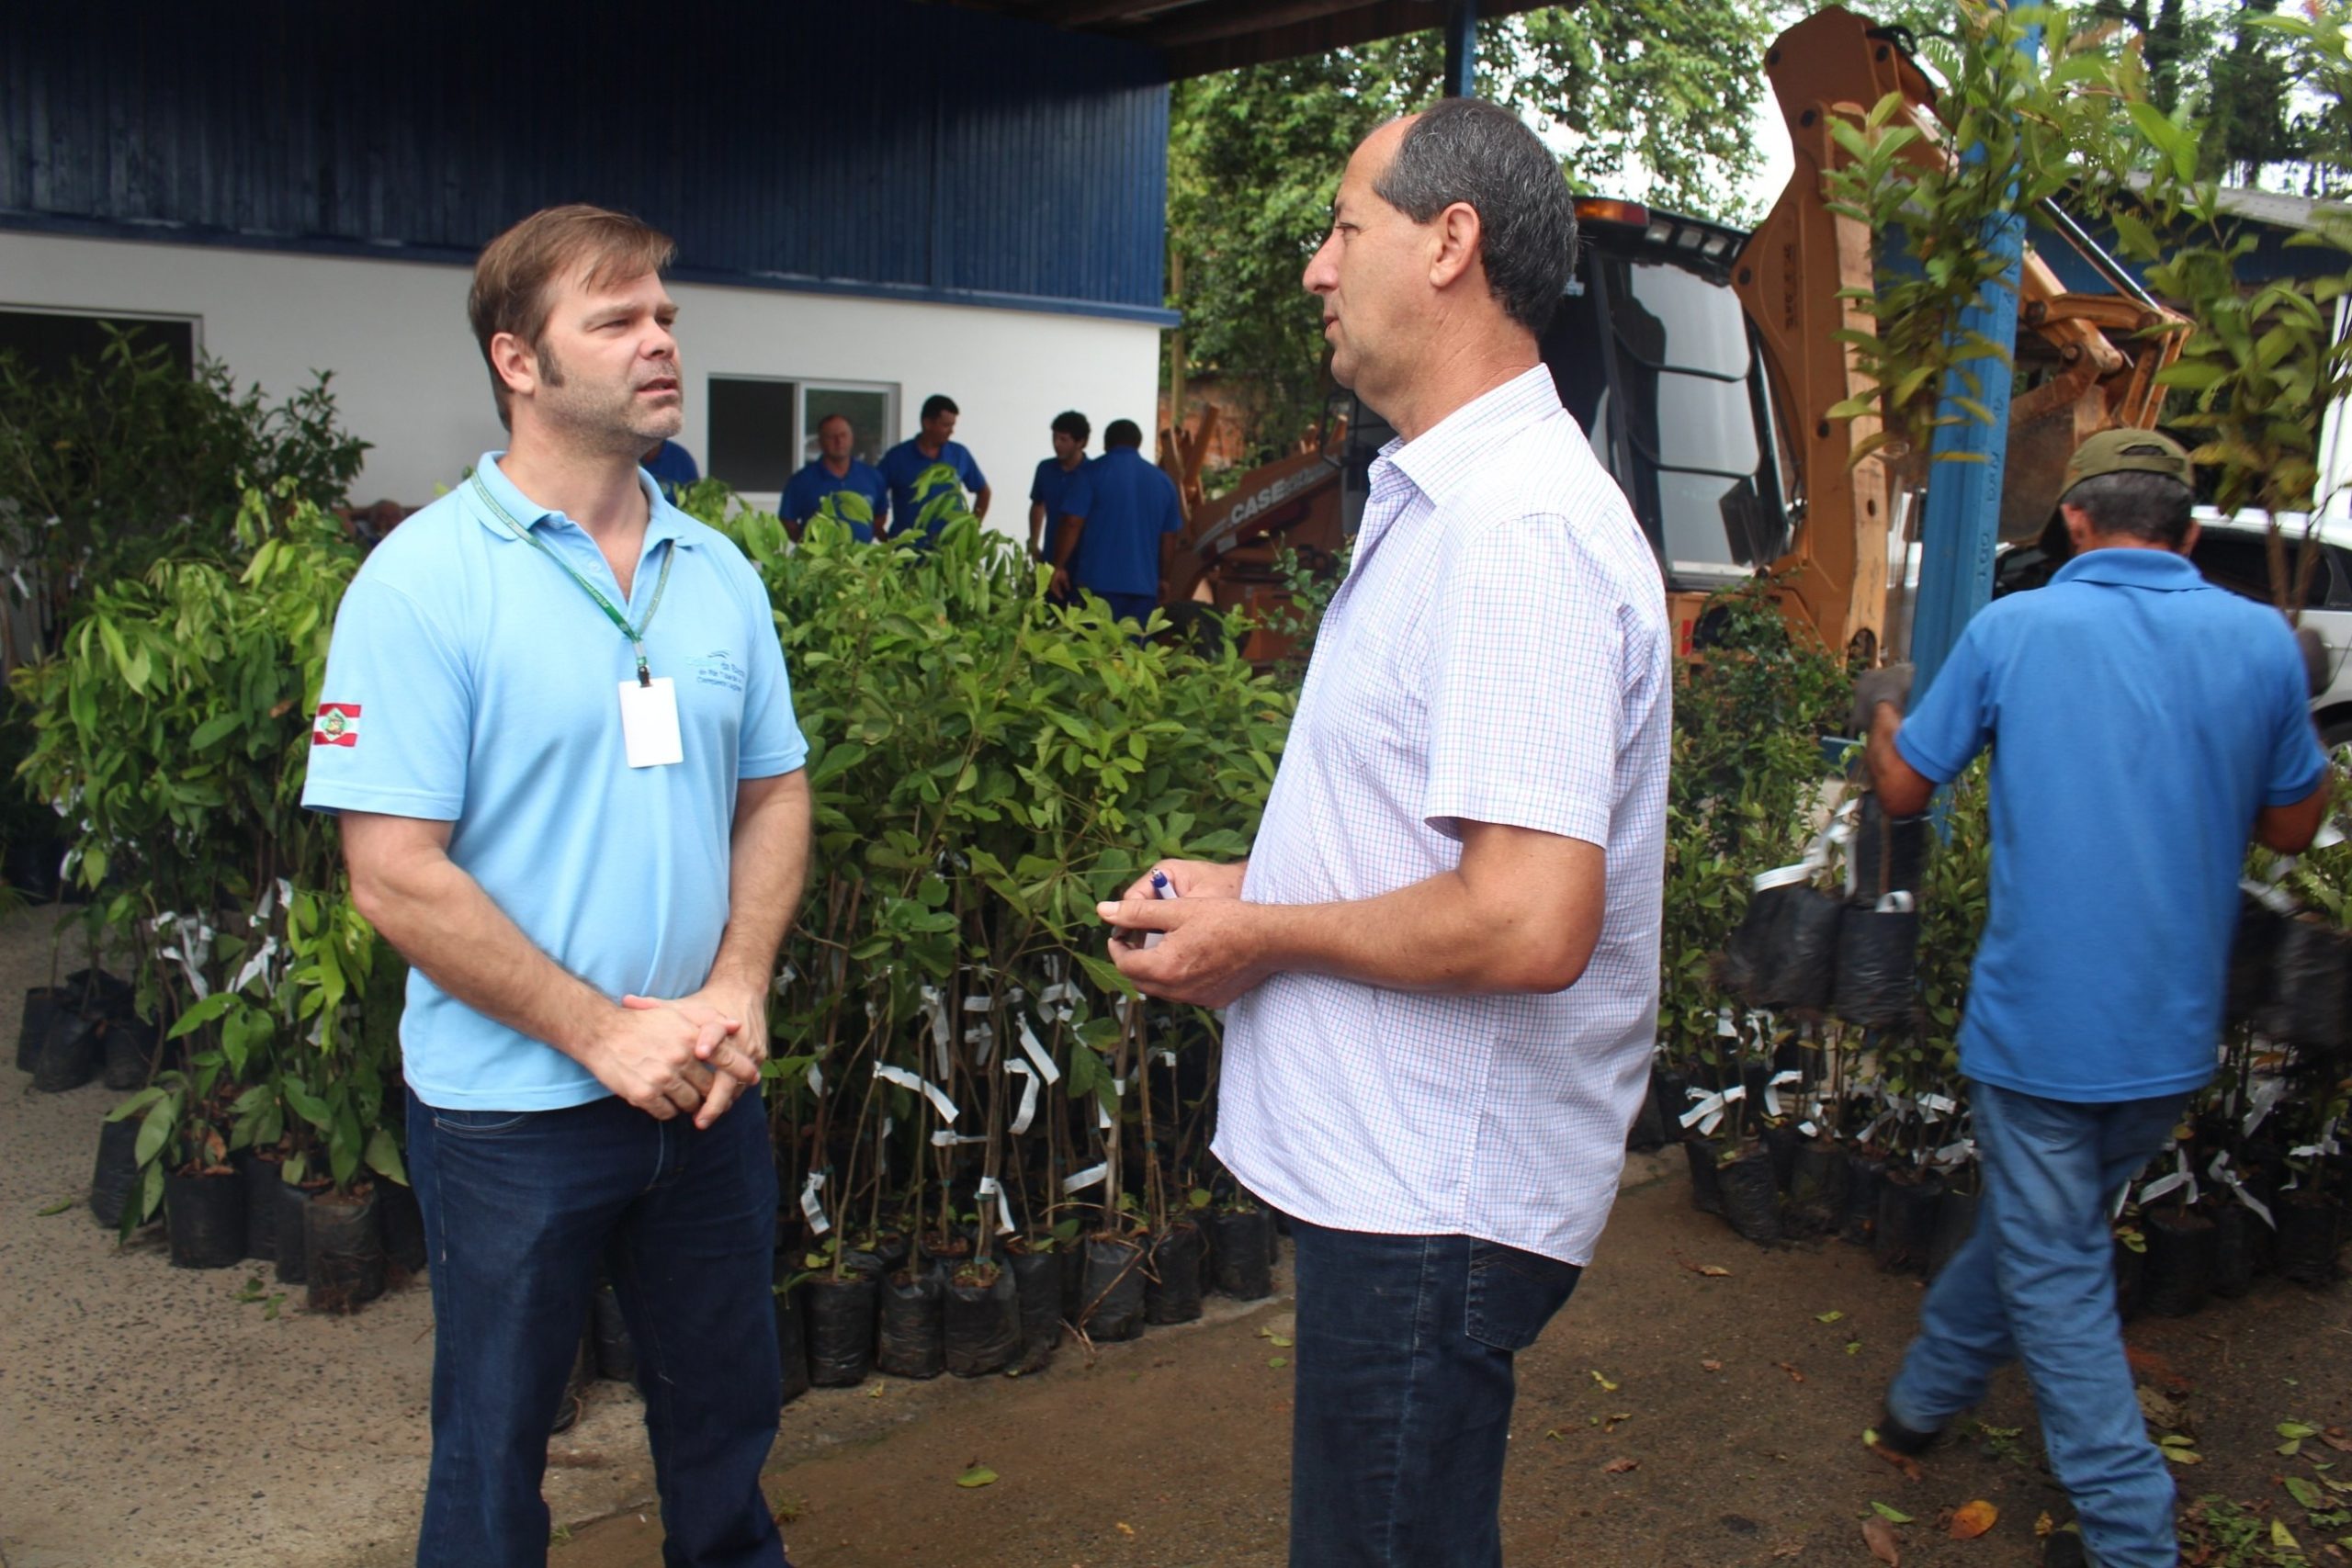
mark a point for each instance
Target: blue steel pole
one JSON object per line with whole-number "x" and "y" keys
{"x": 1461, "y": 50}
{"x": 1962, "y": 520}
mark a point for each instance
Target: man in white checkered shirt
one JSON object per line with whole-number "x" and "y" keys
{"x": 1441, "y": 960}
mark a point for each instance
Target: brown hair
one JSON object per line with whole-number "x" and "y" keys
{"x": 513, "y": 273}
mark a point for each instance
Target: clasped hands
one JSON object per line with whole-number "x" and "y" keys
{"x": 1214, "y": 946}
{"x": 691, "y": 1056}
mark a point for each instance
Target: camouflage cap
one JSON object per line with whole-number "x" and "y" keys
{"x": 2128, "y": 452}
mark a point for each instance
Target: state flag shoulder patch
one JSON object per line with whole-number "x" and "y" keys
{"x": 338, "y": 724}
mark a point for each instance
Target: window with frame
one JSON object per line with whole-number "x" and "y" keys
{"x": 46, "y": 342}
{"x": 763, "y": 429}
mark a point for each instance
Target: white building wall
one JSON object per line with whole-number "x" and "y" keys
{"x": 409, "y": 378}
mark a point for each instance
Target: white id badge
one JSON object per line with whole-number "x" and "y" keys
{"x": 649, "y": 723}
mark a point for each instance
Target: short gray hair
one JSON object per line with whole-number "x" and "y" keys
{"x": 1470, "y": 150}
{"x": 2138, "y": 505}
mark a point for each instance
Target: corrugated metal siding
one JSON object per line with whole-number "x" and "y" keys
{"x": 861, "y": 141}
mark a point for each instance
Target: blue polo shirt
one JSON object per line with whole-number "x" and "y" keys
{"x": 904, "y": 463}
{"x": 473, "y": 682}
{"x": 673, "y": 470}
{"x": 808, "y": 488}
{"x": 1130, "y": 504}
{"x": 2140, "y": 718}
{"x": 1062, "y": 493}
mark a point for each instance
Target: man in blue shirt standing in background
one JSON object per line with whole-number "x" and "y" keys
{"x": 1055, "y": 476}
{"x": 559, "y": 735}
{"x": 2143, "y": 724}
{"x": 673, "y": 467}
{"x": 1113, "y": 517}
{"x": 905, "y": 463}
{"x": 836, "y": 469}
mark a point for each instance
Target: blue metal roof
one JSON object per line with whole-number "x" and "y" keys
{"x": 884, "y": 147}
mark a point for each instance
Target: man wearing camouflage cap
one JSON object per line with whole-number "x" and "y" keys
{"x": 2143, "y": 724}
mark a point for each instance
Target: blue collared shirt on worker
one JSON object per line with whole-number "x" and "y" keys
{"x": 1062, "y": 493}
{"x": 1128, "y": 503}
{"x": 904, "y": 464}
{"x": 2139, "y": 719}
{"x": 473, "y": 682}
{"x": 808, "y": 489}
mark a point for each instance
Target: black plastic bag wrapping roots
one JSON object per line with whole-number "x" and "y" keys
{"x": 1865, "y": 1182}
{"x": 1817, "y": 1189}
{"x": 342, "y": 1252}
{"x": 2254, "y": 959}
{"x": 1244, "y": 1246}
{"x": 205, "y": 1217}
{"x": 2234, "y": 1251}
{"x": 1955, "y": 1219}
{"x": 1877, "y": 966}
{"x": 1753, "y": 953}
{"x": 289, "y": 1202}
{"x": 1670, "y": 1093}
{"x": 1172, "y": 1293}
{"x": 983, "y": 1331}
{"x": 1648, "y": 1129}
{"x": 2311, "y": 987}
{"x": 114, "y": 1184}
{"x": 1751, "y": 1198}
{"x": 910, "y": 1341}
{"x": 792, "y": 1341}
{"x": 1805, "y": 969}
{"x": 2183, "y": 1246}
{"x": 840, "y": 1330}
{"x": 1783, "y": 1140}
{"x": 2128, "y": 1262}
{"x": 2311, "y": 1230}
{"x": 1038, "y": 1281}
{"x": 1890, "y": 854}
{"x": 1706, "y": 1181}
{"x": 608, "y": 1326}
{"x": 69, "y": 1052}
{"x": 1907, "y": 1221}
{"x": 127, "y": 1046}
{"x": 263, "y": 1179}
{"x": 404, "y": 1224}
{"x": 1112, "y": 1295}
{"x": 40, "y": 1001}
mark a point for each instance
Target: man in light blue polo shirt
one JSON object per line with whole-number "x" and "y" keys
{"x": 907, "y": 462}
{"x": 835, "y": 470}
{"x": 1113, "y": 517}
{"x": 2142, "y": 725}
{"x": 557, "y": 729}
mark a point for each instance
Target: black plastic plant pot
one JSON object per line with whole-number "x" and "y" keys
{"x": 343, "y": 1251}
{"x": 1111, "y": 1299}
{"x": 616, "y": 1351}
{"x": 1906, "y": 1219}
{"x": 1752, "y": 956}
{"x": 1670, "y": 1093}
{"x": 203, "y": 1215}
{"x": 292, "y": 1203}
{"x": 2177, "y": 1274}
{"x": 1784, "y": 1144}
{"x": 99, "y": 994}
{"x": 40, "y": 1001}
{"x": 1038, "y": 1282}
{"x": 1890, "y": 852}
{"x": 2310, "y": 987}
{"x": 1751, "y": 1199}
{"x": 114, "y": 1185}
{"x": 1865, "y": 1183}
{"x": 841, "y": 1329}
{"x": 1648, "y": 1129}
{"x": 1171, "y": 1292}
{"x": 127, "y": 1051}
{"x": 70, "y": 1053}
{"x": 983, "y": 1320}
{"x": 403, "y": 1222}
{"x": 792, "y": 1341}
{"x": 2311, "y": 1232}
{"x": 909, "y": 1342}
{"x": 263, "y": 1177}
{"x": 1243, "y": 1242}
{"x": 1817, "y": 1189}
{"x": 2234, "y": 1251}
{"x": 2130, "y": 1264}
{"x": 2254, "y": 958}
{"x": 1807, "y": 967}
{"x": 1955, "y": 1219}
{"x": 1877, "y": 966}
{"x": 1706, "y": 1181}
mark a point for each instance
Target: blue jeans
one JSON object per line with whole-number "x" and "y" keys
{"x": 519, "y": 1207}
{"x": 2036, "y": 1281}
{"x": 1404, "y": 1394}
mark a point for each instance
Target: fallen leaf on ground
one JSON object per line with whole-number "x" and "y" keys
{"x": 2334, "y": 1438}
{"x": 1879, "y": 1536}
{"x": 1832, "y": 1316}
{"x": 57, "y": 1208}
{"x": 1853, "y": 1347}
{"x": 1711, "y": 1270}
{"x": 1606, "y": 1387}
{"x": 1278, "y": 1361}
{"x": 1892, "y": 1515}
{"x": 2150, "y": 1366}
{"x": 1620, "y": 1466}
{"x": 979, "y": 1476}
{"x": 1904, "y": 1462}
{"x": 1972, "y": 1520}
{"x": 2044, "y": 1525}
{"x": 1126, "y": 1529}
{"x": 2157, "y": 1408}
{"x": 1790, "y": 1367}
{"x": 2306, "y": 1494}
{"x": 1711, "y": 1366}
{"x": 1554, "y": 1436}
{"x": 1610, "y": 1425}
{"x": 2282, "y": 1538}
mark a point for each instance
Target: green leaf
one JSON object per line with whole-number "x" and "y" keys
{"x": 1892, "y": 1516}
{"x": 57, "y": 1208}
{"x": 979, "y": 1476}
{"x": 215, "y": 730}
{"x": 2306, "y": 1494}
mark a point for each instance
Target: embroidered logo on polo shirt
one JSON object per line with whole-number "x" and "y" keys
{"x": 718, "y": 668}
{"x": 338, "y": 724}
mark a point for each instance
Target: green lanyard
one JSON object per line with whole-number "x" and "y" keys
{"x": 636, "y": 634}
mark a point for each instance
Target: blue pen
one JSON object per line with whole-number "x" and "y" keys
{"x": 1160, "y": 889}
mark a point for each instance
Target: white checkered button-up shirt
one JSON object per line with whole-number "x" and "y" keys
{"x": 1497, "y": 654}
